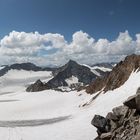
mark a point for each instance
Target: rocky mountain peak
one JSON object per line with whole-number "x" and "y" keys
{"x": 72, "y": 62}
{"x": 119, "y": 74}
{"x": 69, "y": 70}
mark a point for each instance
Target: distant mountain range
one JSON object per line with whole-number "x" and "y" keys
{"x": 23, "y": 66}
{"x": 72, "y": 74}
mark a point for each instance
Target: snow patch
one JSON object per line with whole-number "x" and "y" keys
{"x": 92, "y": 70}
{"x": 2, "y": 67}
{"x": 102, "y": 68}
{"x": 52, "y": 104}
{"x": 72, "y": 80}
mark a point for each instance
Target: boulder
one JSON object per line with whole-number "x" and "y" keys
{"x": 131, "y": 102}
{"x": 111, "y": 116}
{"x": 137, "y": 100}
{"x": 101, "y": 124}
{"x": 120, "y": 111}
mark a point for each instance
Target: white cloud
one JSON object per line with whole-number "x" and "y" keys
{"x": 53, "y": 49}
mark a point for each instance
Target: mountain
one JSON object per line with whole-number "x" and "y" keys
{"x": 71, "y": 74}
{"x": 72, "y": 68}
{"x": 117, "y": 77}
{"x": 23, "y": 66}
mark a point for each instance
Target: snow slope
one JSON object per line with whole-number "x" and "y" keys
{"x": 70, "y": 122}
{"x": 18, "y": 80}
{"x": 95, "y": 68}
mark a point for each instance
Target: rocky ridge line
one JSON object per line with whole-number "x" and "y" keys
{"x": 117, "y": 77}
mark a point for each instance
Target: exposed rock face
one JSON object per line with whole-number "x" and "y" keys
{"x": 72, "y": 68}
{"x": 119, "y": 74}
{"x": 133, "y": 102}
{"x": 101, "y": 123}
{"x": 37, "y": 86}
{"x": 123, "y": 122}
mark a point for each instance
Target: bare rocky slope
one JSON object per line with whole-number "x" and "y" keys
{"x": 123, "y": 123}
{"x": 119, "y": 74}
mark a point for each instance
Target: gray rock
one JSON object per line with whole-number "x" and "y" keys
{"x": 120, "y": 111}
{"x": 112, "y": 116}
{"x": 137, "y": 100}
{"x": 106, "y": 136}
{"x": 37, "y": 86}
{"x": 100, "y": 123}
{"x": 131, "y": 102}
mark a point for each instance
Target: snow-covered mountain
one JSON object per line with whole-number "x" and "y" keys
{"x": 23, "y": 66}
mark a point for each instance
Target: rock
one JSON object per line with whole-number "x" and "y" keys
{"x": 137, "y": 100}
{"x": 137, "y": 137}
{"x": 131, "y": 102}
{"x": 112, "y": 116}
{"x": 37, "y": 86}
{"x": 120, "y": 111}
{"x": 138, "y": 91}
{"x": 113, "y": 125}
{"x": 100, "y": 123}
{"x": 106, "y": 136}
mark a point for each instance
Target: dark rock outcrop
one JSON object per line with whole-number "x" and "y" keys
{"x": 37, "y": 86}
{"x": 101, "y": 123}
{"x": 72, "y": 68}
{"x": 117, "y": 77}
{"x": 123, "y": 122}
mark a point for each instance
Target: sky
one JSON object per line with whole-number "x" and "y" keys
{"x": 50, "y": 32}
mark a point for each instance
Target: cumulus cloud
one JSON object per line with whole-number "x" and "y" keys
{"x": 53, "y": 49}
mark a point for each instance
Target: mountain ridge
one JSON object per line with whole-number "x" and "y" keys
{"x": 119, "y": 74}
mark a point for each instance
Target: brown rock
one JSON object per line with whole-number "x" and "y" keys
{"x": 106, "y": 136}
{"x": 131, "y": 102}
{"x": 117, "y": 77}
{"x": 112, "y": 116}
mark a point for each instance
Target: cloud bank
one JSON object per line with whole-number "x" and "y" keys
{"x": 53, "y": 49}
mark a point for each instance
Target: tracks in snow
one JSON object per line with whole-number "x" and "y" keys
{"x": 33, "y": 123}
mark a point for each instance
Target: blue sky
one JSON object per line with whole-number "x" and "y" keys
{"x": 50, "y": 32}
{"x": 99, "y": 18}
